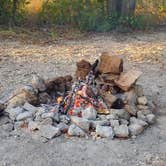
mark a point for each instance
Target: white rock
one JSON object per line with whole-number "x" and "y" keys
{"x": 24, "y": 116}
{"x": 49, "y": 131}
{"x": 134, "y": 120}
{"x": 105, "y": 131}
{"x": 111, "y": 117}
{"x": 135, "y": 129}
{"x": 81, "y": 122}
{"x": 48, "y": 115}
{"x": 46, "y": 121}
{"x": 114, "y": 123}
{"x": 75, "y": 131}
{"x": 140, "y": 115}
{"x": 14, "y": 112}
{"x": 65, "y": 119}
{"x": 30, "y": 108}
{"x": 33, "y": 125}
{"x": 142, "y": 100}
{"x": 151, "y": 118}
{"x": 124, "y": 121}
{"x": 121, "y": 131}
{"x": 63, "y": 127}
{"x": 89, "y": 113}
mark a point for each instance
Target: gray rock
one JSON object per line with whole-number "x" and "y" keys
{"x": 24, "y": 116}
{"x": 63, "y": 127}
{"x": 81, "y": 122}
{"x": 142, "y": 100}
{"x": 48, "y": 115}
{"x": 18, "y": 125}
{"x": 121, "y": 131}
{"x": 139, "y": 90}
{"x": 112, "y": 117}
{"x": 140, "y": 115}
{"x": 30, "y": 108}
{"x": 134, "y": 120}
{"x": 135, "y": 129}
{"x": 105, "y": 131}
{"x": 8, "y": 127}
{"x": 142, "y": 107}
{"x": 46, "y": 121}
{"x": 49, "y": 131}
{"x": 124, "y": 121}
{"x": 102, "y": 117}
{"x": 33, "y": 126}
{"x": 121, "y": 113}
{"x": 65, "y": 119}
{"x": 75, "y": 131}
{"x": 89, "y": 113}
{"x": 14, "y": 112}
{"x": 4, "y": 120}
{"x": 151, "y": 118}
{"x": 93, "y": 124}
{"x": 38, "y": 83}
{"x": 56, "y": 117}
{"x": 114, "y": 123}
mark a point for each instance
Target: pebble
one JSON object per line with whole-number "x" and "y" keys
{"x": 121, "y": 131}
{"x": 114, "y": 123}
{"x": 93, "y": 124}
{"x": 30, "y": 107}
{"x": 46, "y": 121}
{"x": 121, "y": 113}
{"x": 142, "y": 100}
{"x": 134, "y": 120}
{"x": 111, "y": 117}
{"x": 81, "y": 122}
{"x": 63, "y": 127}
{"x": 131, "y": 109}
{"x": 65, "y": 119}
{"x": 151, "y": 118}
{"x": 47, "y": 115}
{"x": 33, "y": 126}
{"x": 8, "y": 127}
{"x": 49, "y": 131}
{"x": 24, "y": 116}
{"x": 89, "y": 113}
{"x": 4, "y": 120}
{"x": 105, "y": 131}
{"x": 135, "y": 129}
{"x": 140, "y": 115}
{"x": 75, "y": 131}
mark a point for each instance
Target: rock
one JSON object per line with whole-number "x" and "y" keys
{"x": 81, "y": 122}
{"x": 109, "y": 99}
{"x": 33, "y": 126}
{"x": 63, "y": 127}
{"x": 30, "y": 108}
{"x": 110, "y": 64}
{"x": 65, "y": 119}
{"x": 105, "y": 131}
{"x": 142, "y": 100}
{"x": 126, "y": 80}
{"x": 89, "y": 113}
{"x": 44, "y": 98}
{"x": 75, "y": 131}
{"x": 14, "y": 112}
{"x": 151, "y": 118}
{"x": 76, "y": 111}
{"x": 18, "y": 125}
{"x": 56, "y": 117}
{"x": 4, "y": 120}
{"x": 139, "y": 90}
{"x": 135, "y": 129}
{"x": 46, "y": 121}
{"x": 131, "y": 109}
{"x": 7, "y": 127}
{"x": 142, "y": 107}
{"x": 24, "y": 116}
{"x": 102, "y": 117}
{"x": 114, "y": 123}
{"x": 38, "y": 83}
{"x": 49, "y": 131}
{"x": 121, "y": 113}
{"x": 121, "y": 131}
{"x": 130, "y": 97}
{"x": 140, "y": 115}
{"x": 48, "y": 115}
{"x": 124, "y": 121}
{"x": 21, "y": 96}
{"x": 93, "y": 124}
{"x": 134, "y": 120}
{"x": 112, "y": 117}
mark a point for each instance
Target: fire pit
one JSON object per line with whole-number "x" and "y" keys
{"x": 101, "y": 100}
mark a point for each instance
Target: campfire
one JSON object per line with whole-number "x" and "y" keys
{"x": 101, "y": 100}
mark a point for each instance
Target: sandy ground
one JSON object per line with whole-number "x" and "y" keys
{"x": 145, "y": 51}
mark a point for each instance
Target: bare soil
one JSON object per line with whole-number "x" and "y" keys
{"x": 145, "y": 51}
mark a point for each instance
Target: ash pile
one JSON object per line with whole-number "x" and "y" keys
{"x": 102, "y": 101}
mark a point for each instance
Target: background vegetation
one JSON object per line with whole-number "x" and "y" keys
{"x": 86, "y": 15}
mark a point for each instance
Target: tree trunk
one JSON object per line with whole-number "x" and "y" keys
{"x": 14, "y": 11}
{"x": 111, "y": 7}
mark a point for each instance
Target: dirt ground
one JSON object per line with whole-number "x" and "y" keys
{"x": 145, "y": 51}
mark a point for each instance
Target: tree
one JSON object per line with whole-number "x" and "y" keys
{"x": 121, "y": 7}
